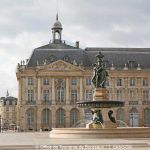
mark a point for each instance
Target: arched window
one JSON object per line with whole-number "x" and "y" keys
{"x": 30, "y": 119}
{"x": 134, "y": 117}
{"x": 147, "y": 117}
{"x": 46, "y": 116}
{"x": 60, "y": 118}
{"x": 74, "y": 117}
{"x": 60, "y": 94}
{"x": 120, "y": 116}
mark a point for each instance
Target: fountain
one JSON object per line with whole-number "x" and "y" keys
{"x": 103, "y": 123}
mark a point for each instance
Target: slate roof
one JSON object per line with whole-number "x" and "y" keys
{"x": 9, "y": 98}
{"x": 121, "y": 56}
{"x": 86, "y": 57}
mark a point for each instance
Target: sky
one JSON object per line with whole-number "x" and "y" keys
{"x": 26, "y": 24}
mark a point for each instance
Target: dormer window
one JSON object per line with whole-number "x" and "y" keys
{"x": 131, "y": 64}
{"x": 66, "y": 58}
{"x": 52, "y": 58}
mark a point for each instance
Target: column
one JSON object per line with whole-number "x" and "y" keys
{"x": 39, "y": 91}
{"x": 67, "y": 91}
{"x": 53, "y": 92}
{"x": 38, "y": 118}
{"x": 81, "y": 89}
{"x": 67, "y": 118}
{"x": 53, "y": 119}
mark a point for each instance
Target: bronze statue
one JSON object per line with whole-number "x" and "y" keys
{"x": 99, "y": 72}
{"x": 97, "y": 117}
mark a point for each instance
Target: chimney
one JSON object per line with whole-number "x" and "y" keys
{"x": 77, "y": 44}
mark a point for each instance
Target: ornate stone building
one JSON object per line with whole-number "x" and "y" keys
{"x": 58, "y": 75}
{"x": 8, "y": 112}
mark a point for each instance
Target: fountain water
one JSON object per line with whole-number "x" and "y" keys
{"x": 103, "y": 123}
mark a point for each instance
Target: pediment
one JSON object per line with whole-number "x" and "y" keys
{"x": 61, "y": 65}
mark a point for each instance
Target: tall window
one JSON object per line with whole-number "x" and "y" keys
{"x": 88, "y": 94}
{"x": 30, "y": 119}
{"x": 30, "y": 95}
{"x": 30, "y": 80}
{"x": 119, "y": 82}
{"x": 74, "y": 117}
{"x": 119, "y": 95}
{"x": 74, "y": 81}
{"x": 60, "y": 116}
{"x": 45, "y": 81}
{"x": 147, "y": 117}
{"x": 132, "y": 82}
{"x": 46, "y": 117}
{"x": 132, "y": 95}
{"x": 60, "y": 94}
{"x": 134, "y": 117}
{"x": 73, "y": 95}
{"x": 88, "y": 81}
{"x": 145, "y": 82}
{"x": 145, "y": 95}
{"x": 46, "y": 95}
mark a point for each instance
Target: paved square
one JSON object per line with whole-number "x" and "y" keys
{"x": 41, "y": 140}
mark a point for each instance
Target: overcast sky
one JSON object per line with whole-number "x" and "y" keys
{"x": 26, "y": 24}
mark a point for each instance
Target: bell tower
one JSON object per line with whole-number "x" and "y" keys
{"x": 57, "y": 30}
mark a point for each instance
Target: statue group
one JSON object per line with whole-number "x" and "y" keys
{"x": 99, "y": 72}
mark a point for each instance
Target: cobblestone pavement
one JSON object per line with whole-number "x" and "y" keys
{"x": 41, "y": 140}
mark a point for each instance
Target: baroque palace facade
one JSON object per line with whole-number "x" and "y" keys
{"x": 58, "y": 75}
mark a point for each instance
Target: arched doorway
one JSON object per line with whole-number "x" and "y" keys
{"x": 60, "y": 118}
{"x": 120, "y": 117}
{"x": 134, "y": 117}
{"x": 147, "y": 117}
{"x": 74, "y": 117}
{"x": 30, "y": 119}
{"x": 46, "y": 119}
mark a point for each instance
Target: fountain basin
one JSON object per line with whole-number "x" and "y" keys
{"x": 127, "y": 132}
{"x": 100, "y": 104}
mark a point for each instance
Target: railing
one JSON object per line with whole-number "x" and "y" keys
{"x": 146, "y": 102}
{"x": 46, "y": 102}
{"x": 30, "y": 102}
{"x": 133, "y": 102}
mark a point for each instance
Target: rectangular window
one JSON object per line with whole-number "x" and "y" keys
{"x": 132, "y": 95}
{"x": 88, "y": 81}
{"x": 119, "y": 82}
{"x": 107, "y": 82}
{"x": 74, "y": 81}
{"x": 132, "y": 82}
{"x": 30, "y": 95}
{"x": 119, "y": 95}
{"x": 30, "y": 80}
{"x": 46, "y": 95}
{"x": 74, "y": 95}
{"x": 145, "y": 95}
{"x": 45, "y": 81}
{"x": 7, "y": 108}
{"x": 145, "y": 82}
{"x": 88, "y": 94}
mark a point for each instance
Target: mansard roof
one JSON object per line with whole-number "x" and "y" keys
{"x": 86, "y": 57}
{"x": 121, "y": 56}
{"x": 58, "y": 51}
